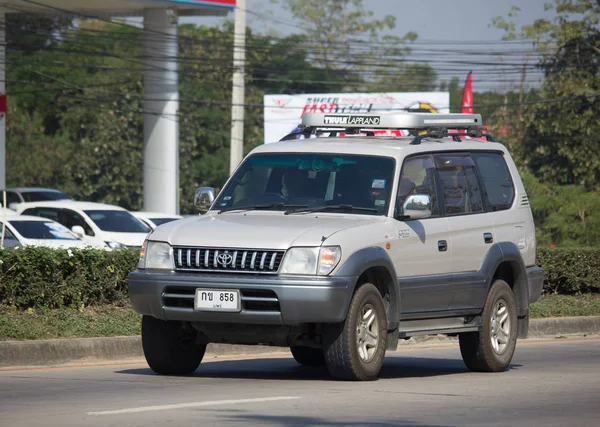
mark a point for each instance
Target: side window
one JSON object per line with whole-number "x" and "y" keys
{"x": 72, "y": 218}
{"x": 49, "y": 213}
{"x": 7, "y": 233}
{"x": 496, "y": 178}
{"x": 11, "y": 197}
{"x": 460, "y": 188}
{"x": 418, "y": 177}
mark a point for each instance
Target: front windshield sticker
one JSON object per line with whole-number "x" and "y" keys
{"x": 59, "y": 231}
{"x": 380, "y": 202}
{"x": 378, "y": 183}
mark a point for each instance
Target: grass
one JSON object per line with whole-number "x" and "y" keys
{"x": 123, "y": 321}
{"x": 68, "y": 323}
{"x": 566, "y": 305}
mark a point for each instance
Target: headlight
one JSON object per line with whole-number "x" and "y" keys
{"x": 156, "y": 255}
{"x": 311, "y": 261}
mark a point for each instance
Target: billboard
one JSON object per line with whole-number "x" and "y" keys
{"x": 283, "y": 113}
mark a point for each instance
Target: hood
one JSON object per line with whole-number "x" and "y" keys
{"x": 257, "y": 230}
{"x": 127, "y": 239}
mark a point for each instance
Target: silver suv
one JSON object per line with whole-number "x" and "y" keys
{"x": 338, "y": 243}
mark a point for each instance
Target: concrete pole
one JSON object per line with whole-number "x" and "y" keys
{"x": 2, "y": 101}
{"x": 237, "y": 98}
{"x": 161, "y": 109}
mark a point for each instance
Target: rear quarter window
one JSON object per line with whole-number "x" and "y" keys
{"x": 496, "y": 178}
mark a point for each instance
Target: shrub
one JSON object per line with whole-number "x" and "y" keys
{"x": 42, "y": 278}
{"x": 570, "y": 270}
{"x": 35, "y": 277}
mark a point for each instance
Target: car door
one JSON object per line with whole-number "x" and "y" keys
{"x": 422, "y": 256}
{"x": 471, "y": 227}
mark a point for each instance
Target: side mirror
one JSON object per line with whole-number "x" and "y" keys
{"x": 417, "y": 206}
{"x": 204, "y": 198}
{"x": 78, "y": 231}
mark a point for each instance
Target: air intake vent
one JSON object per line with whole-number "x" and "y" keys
{"x": 524, "y": 201}
{"x": 227, "y": 260}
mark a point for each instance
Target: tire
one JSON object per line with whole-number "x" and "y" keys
{"x": 492, "y": 348}
{"x": 171, "y": 348}
{"x": 308, "y": 356}
{"x": 348, "y": 355}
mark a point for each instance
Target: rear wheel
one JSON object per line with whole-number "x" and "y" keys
{"x": 308, "y": 356}
{"x": 492, "y": 348}
{"x": 171, "y": 348}
{"x": 355, "y": 348}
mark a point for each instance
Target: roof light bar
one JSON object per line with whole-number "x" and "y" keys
{"x": 391, "y": 120}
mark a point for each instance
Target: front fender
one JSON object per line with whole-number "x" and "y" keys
{"x": 375, "y": 257}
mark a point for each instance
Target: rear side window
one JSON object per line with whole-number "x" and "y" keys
{"x": 49, "y": 213}
{"x": 496, "y": 178}
{"x": 460, "y": 188}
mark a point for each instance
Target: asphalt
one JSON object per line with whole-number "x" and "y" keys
{"x": 84, "y": 351}
{"x": 551, "y": 382}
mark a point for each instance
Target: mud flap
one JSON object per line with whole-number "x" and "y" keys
{"x": 523, "y": 326}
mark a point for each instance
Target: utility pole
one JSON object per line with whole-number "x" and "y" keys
{"x": 237, "y": 97}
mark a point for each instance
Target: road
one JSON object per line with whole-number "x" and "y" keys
{"x": 550, "y": 383}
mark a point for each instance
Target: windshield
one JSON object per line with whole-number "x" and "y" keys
{"x": 282, "y": 180}
{"x": 40, "y": 196}
{"x": 117, "y": 221}
{"x": 42, "y": 230}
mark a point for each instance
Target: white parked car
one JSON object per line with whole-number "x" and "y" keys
{"x": 98, "y": 224}
{"x": 154, "y": 219}
{"x": 339, "y": 247}
{"x": 18, "y": 195}
{"x": 26, "y": 230}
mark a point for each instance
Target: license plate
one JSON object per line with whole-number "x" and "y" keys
{"x": 217, "y": 300}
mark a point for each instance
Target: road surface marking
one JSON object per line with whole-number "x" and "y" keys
{"x": 192, "y": 405}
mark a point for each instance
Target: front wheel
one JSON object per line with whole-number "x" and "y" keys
{"x": 171, "y": 348}
{"x": 492, "y": 348}
{"x": 355, "y": 348}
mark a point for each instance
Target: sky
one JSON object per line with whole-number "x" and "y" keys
{"x": 464, "y": 25}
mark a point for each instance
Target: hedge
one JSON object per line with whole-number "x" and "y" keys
{"x": 46, "y": 278}
{"x": 35, "y": 277}
{"x": 570, "y": 270}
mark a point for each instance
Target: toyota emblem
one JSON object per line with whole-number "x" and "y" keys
{"x": 224, "y": 259}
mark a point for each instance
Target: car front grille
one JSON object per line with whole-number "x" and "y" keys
{"x": 227, "y": 260}
{"x": 262, "y": 300}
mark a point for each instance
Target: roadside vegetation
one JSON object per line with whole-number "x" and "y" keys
{"x": 113, "y": 320}
{"x": 47, "y": 293}
{"x": 75, "y": 122}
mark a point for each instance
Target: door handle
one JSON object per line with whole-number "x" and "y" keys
{"x": 442, "y": 245}
{"x": 488, "y": 237}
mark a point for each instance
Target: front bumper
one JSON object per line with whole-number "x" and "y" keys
{"x": 267, "y": 300}
{"x": 535, "y": 279}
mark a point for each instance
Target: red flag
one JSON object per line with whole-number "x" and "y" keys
{"x": 467, "y": 100}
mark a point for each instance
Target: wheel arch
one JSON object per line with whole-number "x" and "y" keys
{"x": 374, "y": 265}
{"x": 504, "y": 261}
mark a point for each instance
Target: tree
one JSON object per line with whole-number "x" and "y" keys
{"x": 563, "y": 139}
{"x": 342, "y": 34}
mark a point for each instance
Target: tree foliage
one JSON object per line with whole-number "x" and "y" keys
{"x": 563, "y": 139}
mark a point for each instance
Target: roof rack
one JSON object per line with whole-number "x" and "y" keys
{"x": 435, "y": 125}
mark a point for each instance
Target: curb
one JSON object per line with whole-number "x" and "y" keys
{"x": 48, "y": 353}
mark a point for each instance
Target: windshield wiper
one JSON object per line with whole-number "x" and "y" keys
{"x": 349, "y": 208}
{"x": 262, "y": 207}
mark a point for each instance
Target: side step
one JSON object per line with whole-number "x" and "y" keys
{"x": 447, "y": 325}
